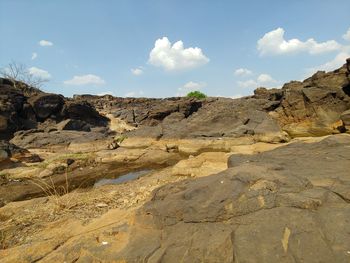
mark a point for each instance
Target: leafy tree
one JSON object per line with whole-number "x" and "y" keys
{"x": 196, "y": 94}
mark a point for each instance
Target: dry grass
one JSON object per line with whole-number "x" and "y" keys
{"x": 55, "y": 192}
{"x": 3, "y": 240}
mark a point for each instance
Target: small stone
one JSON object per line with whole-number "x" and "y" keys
{"x": 101, "y": 205}
{"x": 70, "y": 161}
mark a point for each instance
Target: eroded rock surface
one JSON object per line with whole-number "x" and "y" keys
{"x": 266, "y": 207}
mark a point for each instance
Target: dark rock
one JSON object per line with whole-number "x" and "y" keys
{"x": 83, "y": 111}
{"x": 74, "y": 125}
{"x": 70, "y": 161}
{"x": 9, "y": 150}
{"x": 45, "y": 105}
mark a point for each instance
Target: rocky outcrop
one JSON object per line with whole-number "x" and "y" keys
{"x": 265, "y": 208}
{"x": 83, "y": 111}
{"x": 9, "y": 150}
{"x": 25, "y": 108}
{"x": 74, "y": 125}
{"x": 46, "y": 105}
{"x": 313, "y": 107}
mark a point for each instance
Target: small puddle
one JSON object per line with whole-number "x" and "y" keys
{"x": 123, "y": 178}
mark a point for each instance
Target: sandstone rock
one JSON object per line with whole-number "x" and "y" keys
{"x": 254, "y": 211}
{"x": 202, "y": 165}
{"x": 345, "y": 117}
{"x": 32, "y": 139}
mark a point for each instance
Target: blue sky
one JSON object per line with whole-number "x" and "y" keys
{"x": 228, "y": 47}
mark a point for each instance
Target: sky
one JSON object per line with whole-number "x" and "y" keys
{"x": 164, "y": 48}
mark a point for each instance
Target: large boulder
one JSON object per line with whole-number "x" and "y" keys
{"x": 10, "y": 150}
{"x": 83, "y": 111}
{"x": 46, "y": 105}
{"x": 313, "y": 107}
{"x": 73, "y": 125}
{"x": 11, "y": 102}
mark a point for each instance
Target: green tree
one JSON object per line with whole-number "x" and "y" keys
{"x": 196, "y": 94}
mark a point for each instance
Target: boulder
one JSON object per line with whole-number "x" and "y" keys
{"x": 46, "y": 105}
{"x": 83, "y": 111}
{"x": 74, "y": 125}
{"x": 9, "y": 150}
{"x": 11, "y": 102}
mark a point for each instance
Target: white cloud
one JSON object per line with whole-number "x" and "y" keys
{"x": 194, "y": 85}
{"x": 333, "y": 64}
{"x": 34, "y": 55}
{"x": 236, "y": 96}
{"x": 265, "y": 78}
{"x": 134, "y": 94}
{"x": 176, "y": 57}
{"x": 262, "y": 80}
{"x": 105, "y": 93}
{"x": 190, "y": 86}
{"x": 273, "y": 43}
{"x": 45, "y": 43}
{"x": 88, "y": 79}
{"x": 346, "y": 36}
{"x": 247, "y": 84}
{"x": 137, "y": 71}
{"x": 40, "y": 73}
{"x": 243, "y": 72}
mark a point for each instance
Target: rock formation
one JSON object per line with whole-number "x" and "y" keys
{"x": 263, "y": 178}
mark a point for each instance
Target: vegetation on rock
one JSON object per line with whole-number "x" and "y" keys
{"x": 196, "y": 94}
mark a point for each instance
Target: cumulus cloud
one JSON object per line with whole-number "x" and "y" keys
{"x": 175, "y": 57}
{"x": 134, "y": 94}
{"x": 333, "y": 64}
{"x": 137, "y": 71}
{"x": 274, "y": 43}
{"x": 45, "y": 43}
{"x": 241, "y": 72}
{"x": 105, "y": 93}
{"x": 88, "y": 79}
{"x": 236, "y": 96}
{"x": 194, "y": 85}
{"x": 40, "y": 73}
{"x": 190, "y": 86}
{"x": 336, "y": 62}
{"x": 265, "y": 78}
{"x": 262, "y": 80}
{"x": 248, "y": 83}
{"x": 34, "y": 55}
{"x": 346, "y": 36}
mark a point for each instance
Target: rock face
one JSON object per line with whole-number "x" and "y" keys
{"x": 25, "y": 108}
{"x": 73, "y": 125}
{"x": 9, "y": 150}
{"x": 46, "y": 105}
{"x": 265, "y": 208}
{"x": 313, "y": 107}
{"x": 310, "y": 108}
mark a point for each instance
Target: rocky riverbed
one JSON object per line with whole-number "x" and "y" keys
{"x": 262, "y": 178}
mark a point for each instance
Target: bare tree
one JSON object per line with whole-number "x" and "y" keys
{"x": 18, "y": 73}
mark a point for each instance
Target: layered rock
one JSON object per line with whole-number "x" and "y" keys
{"x": 266, "y": 207}
{"x": 24, "y": 108}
